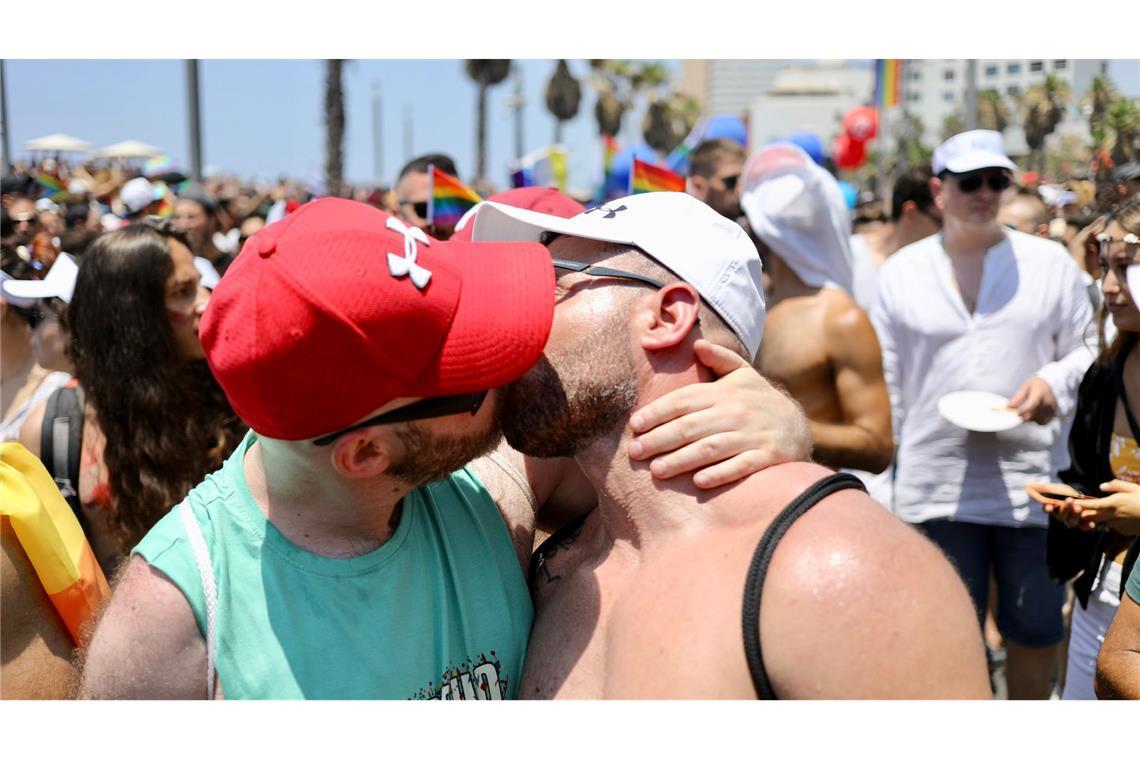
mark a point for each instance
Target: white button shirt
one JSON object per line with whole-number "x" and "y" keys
{"x": 1032, "y": 319}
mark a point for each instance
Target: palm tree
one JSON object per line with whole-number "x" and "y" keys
{"x": 334, "y": 127}
{"x": 563, "y": 96}
{"x": 952, "y": 125}
{"x": 1043, "y": 109}
{"x": 911, "y": 151}
{"x": 1122, "y": 121}
{"x": 618, "y": 84}
{"x": 993, "y": 111}
{"x": 486, "y": 74}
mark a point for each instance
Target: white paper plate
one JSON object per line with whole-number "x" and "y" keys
{"x": 979, "y": 411}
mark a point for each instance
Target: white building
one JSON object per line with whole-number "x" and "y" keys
{"x": 934, "y": 88}
{"x": 809, "y": 98}
{"x": 728, "y": 86}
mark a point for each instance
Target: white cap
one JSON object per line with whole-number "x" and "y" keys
{"x": 138, "y": 194}
{"x": 798, "y": 209}
{"x": 47, "y": 204}
{"x": 59, "y": 283}
{"x": 968, "y": 151}
{"x": 711, "y": 253}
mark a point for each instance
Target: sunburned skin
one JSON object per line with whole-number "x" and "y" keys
{"x": 821, "y": 348}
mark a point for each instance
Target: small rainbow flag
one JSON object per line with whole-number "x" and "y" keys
{"x": 888, "y": 82}
{"x": 450, "y": 199}
{"x": 51, "y": 537}
{"x": 610, "y": 148}
{"x": 647, "y": 178}
{"x": 50, "y": 187}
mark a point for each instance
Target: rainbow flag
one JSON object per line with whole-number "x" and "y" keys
{"x": 888, "y": 82}
{"x": 647, "y": 178}
{"x": 51, "y": 537}
{"x": 50, "y": 187}
{"x": 610, "y": 148}
{"x": 450, "y": 199}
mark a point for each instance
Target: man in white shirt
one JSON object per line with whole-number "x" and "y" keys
{"x": 979, "y": 307}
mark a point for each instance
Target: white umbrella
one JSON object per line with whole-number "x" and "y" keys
{"x": 129, "y": 149}
{"x": 59, "y": 143}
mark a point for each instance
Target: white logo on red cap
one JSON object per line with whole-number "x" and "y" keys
{"x": 407, "y": 266}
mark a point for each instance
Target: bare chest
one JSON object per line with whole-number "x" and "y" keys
{"x": 622, "y": 628}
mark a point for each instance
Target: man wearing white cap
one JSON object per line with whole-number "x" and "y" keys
{"x": 820, "y": 345}
{"x": 982, "y": 308}
{"x": 657, "y": 592}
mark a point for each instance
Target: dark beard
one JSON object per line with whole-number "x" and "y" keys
{"x": 429, "y": 457}
{"x": 548, "y": 415}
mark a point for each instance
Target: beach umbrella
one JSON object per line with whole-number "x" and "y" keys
{"x": 59, "y": 143}
{"x": 129, "y": 149}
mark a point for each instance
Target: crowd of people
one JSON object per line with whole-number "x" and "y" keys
{"x": 325, "y": 449}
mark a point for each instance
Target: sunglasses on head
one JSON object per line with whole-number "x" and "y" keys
{"x": 972, "y": 182}
{"x": 428, "y": 408}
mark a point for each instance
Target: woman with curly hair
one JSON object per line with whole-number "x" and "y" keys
{"x": 154, "y": 420}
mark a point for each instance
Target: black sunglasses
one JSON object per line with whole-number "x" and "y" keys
{"x": 594, "y": 271}
{"x": 420, "y": 207}
{"x": 40, "y": 312}
{"x": 971, "y": 183}
{"x": 730, "y": 182}
{"x": 428, "y": 408}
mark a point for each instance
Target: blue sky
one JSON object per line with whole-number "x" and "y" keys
{"x": 263, "y": 117}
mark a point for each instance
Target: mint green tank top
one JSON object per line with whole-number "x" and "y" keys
{"x": 440, "y": 611}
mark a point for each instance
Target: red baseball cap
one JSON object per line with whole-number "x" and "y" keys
{"x": 545, "y": 200}
{"x": 335, "y": 310}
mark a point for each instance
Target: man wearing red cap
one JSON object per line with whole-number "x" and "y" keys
{"x": 339, "y": 554}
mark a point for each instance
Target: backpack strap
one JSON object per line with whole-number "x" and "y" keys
{"x": 61, "y": 442}
{"x": 762, "y": 557}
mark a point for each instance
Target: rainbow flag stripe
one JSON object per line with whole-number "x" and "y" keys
{"x": 647, "y": 178}
{"x": 610, "y": 148}
{"x": 51, "y": 537}
{"x": 888, "y": 82}
{"x": 450, "y": 199}
{"x": 50, "y": 187}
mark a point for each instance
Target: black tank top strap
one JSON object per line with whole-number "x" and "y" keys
{"x": 549, "y": 546}
{"x": 762, "y": 557}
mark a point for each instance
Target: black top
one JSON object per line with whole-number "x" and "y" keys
{"x": 1072, "y": 552}
{"x": 761, "y": 558}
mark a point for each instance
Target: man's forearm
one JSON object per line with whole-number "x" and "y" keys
{"x": 850, "y": 446}
{"x": 1117, "y": 675}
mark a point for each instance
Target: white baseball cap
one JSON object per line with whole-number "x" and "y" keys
{"x": 969, "y": 151}
{"x": 59, "y": 283}
{"x": 140, "y": 193}
{"x": 711, "y": 253}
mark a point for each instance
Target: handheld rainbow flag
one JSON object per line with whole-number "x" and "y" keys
{"x": 450, "y": 199}
{"x": 50, "y": 187}
{"x": 51, "y": 537}
{"x": 888, "y": 82}
{"x": 542, "y": 168}
{"x": 647, "y": 178}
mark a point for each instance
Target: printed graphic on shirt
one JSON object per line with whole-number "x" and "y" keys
{"x": 473, "y": 679}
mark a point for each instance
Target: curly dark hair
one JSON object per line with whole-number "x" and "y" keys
{"x": 167, "y": 421}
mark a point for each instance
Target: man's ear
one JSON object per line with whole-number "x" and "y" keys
{"x": 675, "y": 309}
{"x": 936, "y": 191}
{"x": 362, "y": 454}
{"x": 909, "y": 208}
{"x": 698, "y": 187}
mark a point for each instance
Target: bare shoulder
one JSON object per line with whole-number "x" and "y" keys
{"x": 857, "y": 604}
{"x": 147, "y": 644}
{"x": 842, "y": 315}
{"x": 32, "y": 429}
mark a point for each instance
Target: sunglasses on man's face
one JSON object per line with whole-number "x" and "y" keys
{"x": 428, "y": 408}
{"x": 972, "y": 182}
{"x": 730, "y": 182}
{"x": 420, "y": 207}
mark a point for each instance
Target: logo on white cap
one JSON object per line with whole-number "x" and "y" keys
{"x": 407, "y": 266}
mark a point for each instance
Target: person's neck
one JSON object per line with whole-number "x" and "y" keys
{"x": 785, "y": 283}
{"x": 635, "y": 508}
{"x": 323, "y": 514}
{"x": 964, "y": 238}
{"x": 882, "y": 242}
{"x": 18, "y": 360}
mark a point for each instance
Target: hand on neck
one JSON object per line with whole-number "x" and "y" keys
{"x": 633, "y": 505}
